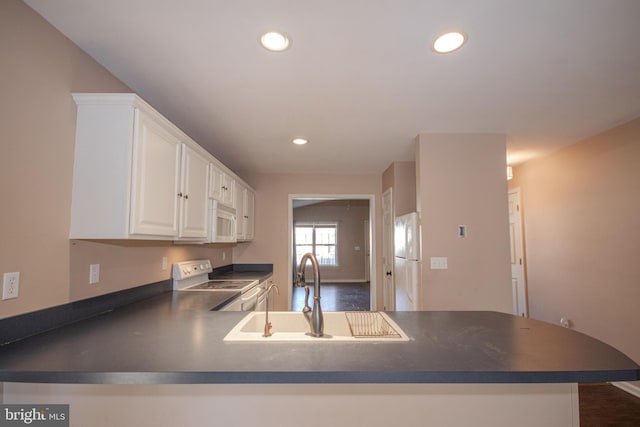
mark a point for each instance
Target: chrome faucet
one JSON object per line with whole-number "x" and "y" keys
{"x": 314, "y": 317}
{"x": 267, "y": 324}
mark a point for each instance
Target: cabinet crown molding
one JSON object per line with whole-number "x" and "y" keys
{"x": 110, "y": 99}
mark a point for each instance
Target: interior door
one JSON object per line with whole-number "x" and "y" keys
{"x": 367, "y": 252}
{"x": 518, "y": 283}
{"x": 388, "y": 298}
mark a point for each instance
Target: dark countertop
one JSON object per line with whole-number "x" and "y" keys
{"x": 175, "y": 338}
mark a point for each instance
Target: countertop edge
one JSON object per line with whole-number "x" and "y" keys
{"x": 320, "y": 377}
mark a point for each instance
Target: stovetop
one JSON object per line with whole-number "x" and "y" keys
{"x": 194, "y": 275}
{"x": 224, "y": 285}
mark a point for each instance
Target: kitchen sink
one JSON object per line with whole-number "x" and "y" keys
{"x": 338, "y": 326}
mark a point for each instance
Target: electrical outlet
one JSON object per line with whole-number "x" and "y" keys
{"x": 94, "y": 273}
{"x": 10, "y": 285}
{"x": 165, "y": 261}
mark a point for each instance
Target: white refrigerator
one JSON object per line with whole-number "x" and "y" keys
{"x": 407, "y": 262}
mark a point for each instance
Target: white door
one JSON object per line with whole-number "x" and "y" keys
{"x": 194, "y": 206}
{"x": 388, "y": 251}
{"x": 367, "y": 251}
{"x": 155, "y": 179}
{"x": 518, "y": 283}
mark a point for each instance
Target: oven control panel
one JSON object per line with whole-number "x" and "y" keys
{"x": 186, "y": 269}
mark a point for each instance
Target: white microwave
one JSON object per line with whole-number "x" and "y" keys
{"x": 222, "y": 223}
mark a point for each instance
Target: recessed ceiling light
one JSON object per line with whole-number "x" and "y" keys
{"x": 299, "y": 141}
{"x": 449, "y": 42}
{"x": 274, "y": 41}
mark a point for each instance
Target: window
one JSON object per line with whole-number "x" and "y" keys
{"x": 318, "y": 238}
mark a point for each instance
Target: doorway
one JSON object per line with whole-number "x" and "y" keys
{"x": 518, "y": 280}
{"x": 338, "y": 230}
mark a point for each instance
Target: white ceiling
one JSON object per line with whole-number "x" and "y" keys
{"x": 360, "y": 80}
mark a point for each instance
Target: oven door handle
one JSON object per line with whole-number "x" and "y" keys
{"x": 254, "y": 294}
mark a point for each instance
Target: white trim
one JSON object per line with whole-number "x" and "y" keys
{"x": 372, "y": 224}
{"x": 630, "y": 388}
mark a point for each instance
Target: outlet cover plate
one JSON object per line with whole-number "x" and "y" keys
{"x": 10, "y": 285}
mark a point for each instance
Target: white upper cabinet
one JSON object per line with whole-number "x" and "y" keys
{"x": 245, "y": 200}
{"x": 248, "y": 217}
{"x": 222, "y": 186}
{"x": 240, "y": 211}
{"x": 155, "y": 178}
{"x": 136, "y": 175}
{"x": 194, "y": 192}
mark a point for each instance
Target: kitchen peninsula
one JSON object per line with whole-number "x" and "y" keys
{"x": 171, "y": 347}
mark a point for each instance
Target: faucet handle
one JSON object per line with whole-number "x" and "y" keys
{"x": 267, "y": 330}
{"x": 306, "y": 308}
{"x": 300, "y": 280}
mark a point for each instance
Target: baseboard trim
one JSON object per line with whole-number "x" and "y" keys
{"x": 628, "y": 387}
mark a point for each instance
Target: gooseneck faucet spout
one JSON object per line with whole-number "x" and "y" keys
{"x": 314, "y": 316}
{"x": 267, "y": 324}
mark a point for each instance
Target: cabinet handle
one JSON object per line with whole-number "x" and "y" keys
{"x": 186, "y": 196}
{"x": 180, "y": 194}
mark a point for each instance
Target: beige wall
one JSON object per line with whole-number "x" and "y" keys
{"x": 271, "y": 244}
{"x": 581, "y": 209}
{"x": 401, "y": 176}
{"x": 461, "y": 180}
{"x": 350, "y": 215}
{"x": 40, "y": 69}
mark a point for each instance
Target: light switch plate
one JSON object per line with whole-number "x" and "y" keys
{"x": 94, "y": 273}
{"x": 439, "y": 263}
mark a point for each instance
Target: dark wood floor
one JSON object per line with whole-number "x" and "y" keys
{"x": 336, "y": 297}
{"x": 600, "y": 404}
{"x": 607, "y": 405}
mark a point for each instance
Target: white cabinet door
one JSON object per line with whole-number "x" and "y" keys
{"x": 216, "y": 183}
{"x": 229, "y": 194}
{"x": 248, "y": 216}
{"x": 222, "y": 187}
{"x": 194, "y": 191}
{"x": 155, "y": 179}
{"x": 239, "y": 195}
{"x": 245, "y": 199}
